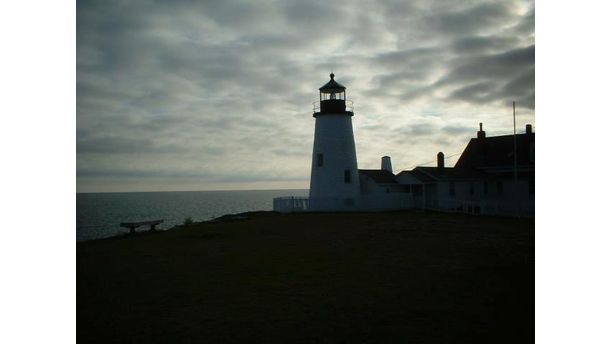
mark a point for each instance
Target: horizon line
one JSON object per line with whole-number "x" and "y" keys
{"x": 217, "y": 190}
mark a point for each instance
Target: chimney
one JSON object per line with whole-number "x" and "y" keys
{"x": 481, "y": 133}
{"x": 528, "y": 129}
{"x": 385, "y": 164}
{"x": 440, "y": 160}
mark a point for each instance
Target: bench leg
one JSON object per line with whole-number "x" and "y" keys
{"x": 152, "y": 227}
{"x": 132, "y": 230}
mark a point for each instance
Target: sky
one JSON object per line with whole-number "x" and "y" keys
{"x": 217, "y": 95}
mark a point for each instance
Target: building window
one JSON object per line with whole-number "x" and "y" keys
{"x": 532, "y": 187}
{"x": 347, "y": 176}
{"x": 417, "y": 189}
{"x": 471, "y": 189}
{"x": 319, "y": 160}
{"x": 451, "y": 189}
{"x": 485, "y": 187}
{"x": 500, "y": 188}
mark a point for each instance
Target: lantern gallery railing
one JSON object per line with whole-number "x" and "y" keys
{"x": 316, "y": 106}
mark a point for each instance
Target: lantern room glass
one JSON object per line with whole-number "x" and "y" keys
{"x": 340, "y": 95}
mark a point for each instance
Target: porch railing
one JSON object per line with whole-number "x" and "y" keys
{"x": 484, "y": 207}
{"x": 290, "y": 204}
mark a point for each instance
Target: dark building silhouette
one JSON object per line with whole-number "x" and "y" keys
{"x": 484, "y": 179}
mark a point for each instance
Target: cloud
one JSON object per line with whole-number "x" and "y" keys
{"x": 495, "y": 78}
{"x": 472, "y": 20}
{"x": 489, "y": 66}
{"x": 457, "y": 129}
{"x": 224, "y": 88}
{"x": 482, "y": 44}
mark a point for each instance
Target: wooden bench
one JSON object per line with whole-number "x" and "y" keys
{"x": 133, "y": 225}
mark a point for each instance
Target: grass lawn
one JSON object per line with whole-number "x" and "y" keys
{"x": 403, "y": 277}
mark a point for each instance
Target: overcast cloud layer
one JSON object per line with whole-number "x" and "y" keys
{"x": 218, "y": 95}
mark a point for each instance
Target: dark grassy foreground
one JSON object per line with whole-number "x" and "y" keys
{"x": 319, "y": 278}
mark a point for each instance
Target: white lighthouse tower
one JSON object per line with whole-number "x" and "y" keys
{"x": 334, "y": 179}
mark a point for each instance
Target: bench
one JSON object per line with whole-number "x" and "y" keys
{"x": 133, "y": 225}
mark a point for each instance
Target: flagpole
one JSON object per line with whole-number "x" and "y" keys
{"x": 515, "y": 162}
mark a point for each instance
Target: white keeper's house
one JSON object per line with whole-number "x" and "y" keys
{"x": 487, "y": 178}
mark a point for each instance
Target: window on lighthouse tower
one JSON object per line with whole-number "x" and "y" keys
{"x": 319, "y": 159}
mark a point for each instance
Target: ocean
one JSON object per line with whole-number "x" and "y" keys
{"x": 99, "y": 214}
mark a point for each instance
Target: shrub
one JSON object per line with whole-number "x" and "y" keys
{"x": 188, "y": 221}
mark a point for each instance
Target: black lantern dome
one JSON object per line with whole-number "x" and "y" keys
{"x": 332, "y": 98}
{"x": 332, "y": 86}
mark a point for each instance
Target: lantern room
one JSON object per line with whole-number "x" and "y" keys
{"x": 332, "y": 90}
{"x": 332, "y": 99}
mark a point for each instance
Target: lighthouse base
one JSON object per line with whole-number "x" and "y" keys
{"x": 334, "y": 204}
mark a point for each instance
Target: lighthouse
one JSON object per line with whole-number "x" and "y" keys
{"x": 334, "y": 178}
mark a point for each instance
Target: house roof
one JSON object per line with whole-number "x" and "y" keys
{"x": 485, "y": 158}
{"x": 423, "y": 177}
{"x": 428, "y": 174}
{"x": 436, "y": 173}
{"x": 379, "y": 176}
{"x": 496, "y": 152}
